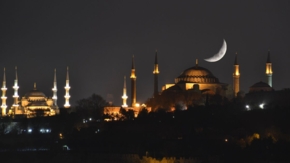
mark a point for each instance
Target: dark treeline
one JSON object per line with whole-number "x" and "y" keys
{"x": 214, "y": 132}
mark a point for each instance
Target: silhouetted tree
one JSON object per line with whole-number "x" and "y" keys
{"x": 128, "y": 114}
{"x": 143, "y": 113}
{"x": 91, "y": 107}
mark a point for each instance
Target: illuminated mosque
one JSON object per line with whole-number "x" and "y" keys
{"x": 33, "y": 103}
{"x": 194, "y": 84}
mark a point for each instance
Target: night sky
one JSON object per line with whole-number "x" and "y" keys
{"x": 97, "y": 39}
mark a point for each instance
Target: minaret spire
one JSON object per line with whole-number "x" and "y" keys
{"x": 269, "y": 71}
{"x": 16, "y": 87}
{"x": 4, "y": 89}
{"x": 155, "y": 72}
{"x": 54, "y": 90}
{"x": 124, "y": 97}
{"x": 133, "y": 83}
{"x": 236, "y": 77}
{"x": 67, "y": 88}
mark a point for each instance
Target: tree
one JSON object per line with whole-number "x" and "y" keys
{"x": 91, "y": 107}
{"x": 128, "y": 114}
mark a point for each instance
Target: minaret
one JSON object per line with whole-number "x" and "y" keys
{"x": 16, "y": 87}
{"x": 67, "y": 87}
{"x": 269, "y": 71}
{"x": 4, "y": 89}
{"x": 155, "y": 72}
{"x": 54, "y": 90}
{"x": 236, "y": 77}
{"x": 133, "y": 83}
{"x": 124, "y": 97}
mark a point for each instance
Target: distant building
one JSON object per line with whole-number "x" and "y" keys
{"x": 190, "y": 88}
{"x": 114, "y": 111}
{"x": 34, "y": 103}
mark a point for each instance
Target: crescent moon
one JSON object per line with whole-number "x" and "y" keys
{"x": 218, "y": 56}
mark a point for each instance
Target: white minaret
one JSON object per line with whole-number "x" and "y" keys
{"x": 124, "y": 97}
{"x": 4, "y": 89}
{"x": 67, "y": 87}
{"x": 54, "y": 90}
{"x": 15, "y": 87}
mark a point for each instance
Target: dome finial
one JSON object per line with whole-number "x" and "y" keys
{"x": 196, "y": 62}
{"x": 34, "y": 85}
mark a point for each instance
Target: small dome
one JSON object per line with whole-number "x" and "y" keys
{"x": 260, "y": 86}
{"x": 197, "y": 74}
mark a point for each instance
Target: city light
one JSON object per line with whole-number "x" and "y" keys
{"x": 261, "y": 106}
{"x": 248, "y": 107}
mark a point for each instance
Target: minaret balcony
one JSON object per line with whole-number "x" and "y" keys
{"x": 3, "y": 106}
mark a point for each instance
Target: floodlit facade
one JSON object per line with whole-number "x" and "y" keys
{"x": 204, "y": 80}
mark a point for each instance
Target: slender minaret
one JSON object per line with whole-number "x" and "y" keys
{"x": 54, "y": 90}
{"x": 269, "y": 71}
{"x": 67, "y": 87}
{"x": 155, "y": 72}
{"x": 124, "y": 97}
{"x": 236, "y": 77}
{"x": 4, "y": 89}
{"x": 16, "y": 87}
{"x": 133, "y": 83}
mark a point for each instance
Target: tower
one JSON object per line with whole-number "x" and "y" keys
{"x": 124, "y": 97}
{"x": 236, "y": 77}
{"x": 16, "y": 87}
{"x": 4, "y": 89}
{"x": 67, "y": 88}
{"x": 54, "y": 90}
{"x": 269, "y": 71}
{"x": 155, "y": 73}
{"x": 133, "y": 83}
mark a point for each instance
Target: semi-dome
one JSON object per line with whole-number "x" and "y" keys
{"x": 197, "y": 74}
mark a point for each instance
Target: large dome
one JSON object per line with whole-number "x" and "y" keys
{"x": 35, "y": 93}
{"x": 196, "y": 74}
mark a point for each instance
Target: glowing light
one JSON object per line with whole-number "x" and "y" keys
{"x": 60, "y": 136}
{"x": 248, "y": 107}
{"x": 226, "y": 140}
{"x": 29, "y": 130}
{"x": 137, "y": 105}
{"x": 261, "y": 106}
